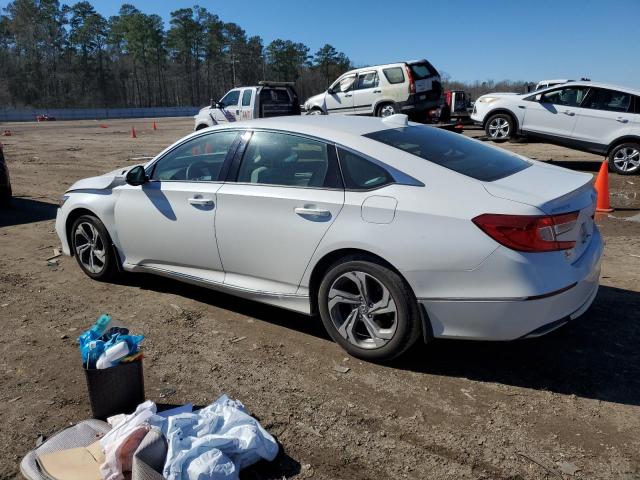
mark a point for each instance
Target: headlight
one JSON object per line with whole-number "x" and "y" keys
{"x": 487, "y": 99}
{"x": 62, "y": 200}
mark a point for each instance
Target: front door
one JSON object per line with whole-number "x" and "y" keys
{"x": 339, "y": 97}
{"x": 553, "y": 112}
{"x": 168, "y": 223}
{"x": 288, "y": 191}
{"x": 366, "y": 92}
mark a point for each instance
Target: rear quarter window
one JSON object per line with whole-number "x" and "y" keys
{"x": 394, "y": 74}
{"x": 452, "y": 151}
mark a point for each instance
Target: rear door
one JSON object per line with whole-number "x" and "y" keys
{"x": 339, "y": 97}
{"x": 247, "y": 100}
{"x": 286, "y": 194}
{"x": 366, "y": 92}
{"x": 604, "y": 116}
{"x": 553, "y": 112}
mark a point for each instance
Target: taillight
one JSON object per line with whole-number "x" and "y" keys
{"x": 529, "y": 233}
{"x": 412, "y": 83}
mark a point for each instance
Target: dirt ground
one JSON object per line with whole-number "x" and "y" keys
{"x": 563, "y": 406}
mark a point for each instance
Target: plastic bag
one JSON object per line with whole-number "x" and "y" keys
{"x": 95, "y": 341}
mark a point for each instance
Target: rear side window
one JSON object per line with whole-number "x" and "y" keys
{"x": 608, "y": 100}
{"x": 422, "y": 70}
{"x": 246, "y": 98}
{"x": 452, "y": 151}
{"x": 367, "y": 80}
{"x": 394, "y": 74}
{"x": 360, "y": 173}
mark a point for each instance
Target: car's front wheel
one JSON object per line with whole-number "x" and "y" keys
{"x": 92, "y": 248}
{"x": 625, "y": 159}
{"x": 368, "y": 309}
{"x": 386, "y": 110}
{"x": 500, "y": 127}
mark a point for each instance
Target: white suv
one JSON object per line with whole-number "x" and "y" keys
{"x": 411, "y": 88}
{"x": 588, "y": 116}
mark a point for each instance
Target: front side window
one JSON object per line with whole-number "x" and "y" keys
{"x": 246, "y": 98}
{"x": 288, "y": 160}
{"x": 394, "y": 74}
{"x": 346, "y": 83}
{"x": 197, "y": 160}
{"x": 609, "y": 100}
{"x": 367, "y": 80}
{"x": 230, "y": 99}
{"x": 453, "y": 151}
{"x": 360, "y": 173}
{"x": 567, "y": 97}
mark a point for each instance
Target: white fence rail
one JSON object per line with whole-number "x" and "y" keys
{"x": 29, "y": 114}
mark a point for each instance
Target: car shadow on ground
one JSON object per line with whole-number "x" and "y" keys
{"x": 595, "y": 356}
{"x": 583, "y": 166}
{"x": 25, "y": 210}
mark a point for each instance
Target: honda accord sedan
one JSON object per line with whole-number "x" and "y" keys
{"x": 391, "y": 231}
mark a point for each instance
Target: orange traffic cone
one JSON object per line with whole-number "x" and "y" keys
{"x": 133, "y": 132}
{"x": 602, "y": 189}
{"x": 155, "y": 127}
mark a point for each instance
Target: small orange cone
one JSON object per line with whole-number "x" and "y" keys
{"x": 133, "y": 132}
{"x": 155, "y": 127}
{"x": 602, "y": 189}
{"x": 104, "y": 125}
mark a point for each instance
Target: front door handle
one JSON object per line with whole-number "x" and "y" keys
{"x": 201, "y": 201}
{"x": 311, "y": 211}
{"x": 347, "y": 95}
{"x": 377, "y": 91}
{"x": 567, "y": 112}
{"x": 621, "y": 120}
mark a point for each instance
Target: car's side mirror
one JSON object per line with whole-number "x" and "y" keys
{"x": 136, "y": 176}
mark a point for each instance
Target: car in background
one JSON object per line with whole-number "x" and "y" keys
{"x": 392, "y": 231}
{"x": 268, "y": 99}
{"x": 5, "y": 181}
{"x": 588, "y": 116}
{"x": 410, "y": 87}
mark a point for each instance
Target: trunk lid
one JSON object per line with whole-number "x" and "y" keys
{"x": 553, "y": 190}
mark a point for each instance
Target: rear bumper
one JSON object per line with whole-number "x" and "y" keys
{"x": 511, "y": 318}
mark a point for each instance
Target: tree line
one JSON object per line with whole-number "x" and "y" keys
{"x": 57, "y": 56}
{"x": 54, "y": 55}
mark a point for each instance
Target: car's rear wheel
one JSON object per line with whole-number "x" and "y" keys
{"x": 386, "y": 110}
{"x": 92, "y": 248}
{"x": 625, "y": 159}
{"x": 368, "y": 309}
{"x": 500, "y": 127}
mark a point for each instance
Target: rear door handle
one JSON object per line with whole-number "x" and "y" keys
{"x": 200, "y": 201}
{"x": 347, "y": 95}
{"x": 567, "y": 112}
{"x": 309, "y": 211}
{"x": 377, "y": 91}
{"x": 521, "y": 106}
{"x": 621, "y": 120}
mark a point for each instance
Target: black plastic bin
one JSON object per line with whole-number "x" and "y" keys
{"x": 114, "y": 390}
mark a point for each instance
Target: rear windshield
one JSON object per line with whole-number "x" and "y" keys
{"x": 452, "y": 151}
{"x": 422, "y": 70}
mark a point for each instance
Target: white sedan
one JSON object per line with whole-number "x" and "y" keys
{"x": 391, "y": 231}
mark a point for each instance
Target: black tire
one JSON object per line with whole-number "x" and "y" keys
{"x": 5, "y": 197}
{"x": 109, "y": 267}
{"x": 500, "y": 127}
{"x": 408, "y": 324}
{"x": 386, "y": 109}
{"x": 316, "y": 111}
{"x": 619, "y": 153}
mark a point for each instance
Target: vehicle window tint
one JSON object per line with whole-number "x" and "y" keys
{"x": 198, "y": 160}
{"x": 394, "y": 74}
{"x": 360, "y": 173}
{"x": 367, "y": 80}
{"x": 230, "y": 99}
{"x": 568, "y": 96}
{"x": 453, "y": 151}
{"x": 609, "y": 100}
{"x": 636, "y": 101}
{"x": 289, "y": 160}
{"x": 246, "y": 98}
{"x": 422, "y": 70}
{"x": 347, "y": 82}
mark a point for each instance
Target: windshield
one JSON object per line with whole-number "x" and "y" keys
{"x": 453, "y": 151}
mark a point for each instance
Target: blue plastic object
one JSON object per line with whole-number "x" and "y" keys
{"x": 97, "y": 339}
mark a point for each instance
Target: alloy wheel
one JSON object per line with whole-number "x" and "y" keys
{"x": 362, "y": 310}
{"x": 499, "y": 128}
{"x": 387, "y": 110}
{"x": 627, "y": 159}
{"x": 89, "y": 247}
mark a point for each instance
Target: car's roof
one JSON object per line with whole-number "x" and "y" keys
{"x": 609, "y": 86}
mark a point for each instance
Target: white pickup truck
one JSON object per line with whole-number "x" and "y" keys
{"x": 268, "y": 99}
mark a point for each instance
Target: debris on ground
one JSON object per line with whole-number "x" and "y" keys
{"x": 341, "y": 369}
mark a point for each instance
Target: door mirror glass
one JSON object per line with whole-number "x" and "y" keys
{"x": 136, "y": 176}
